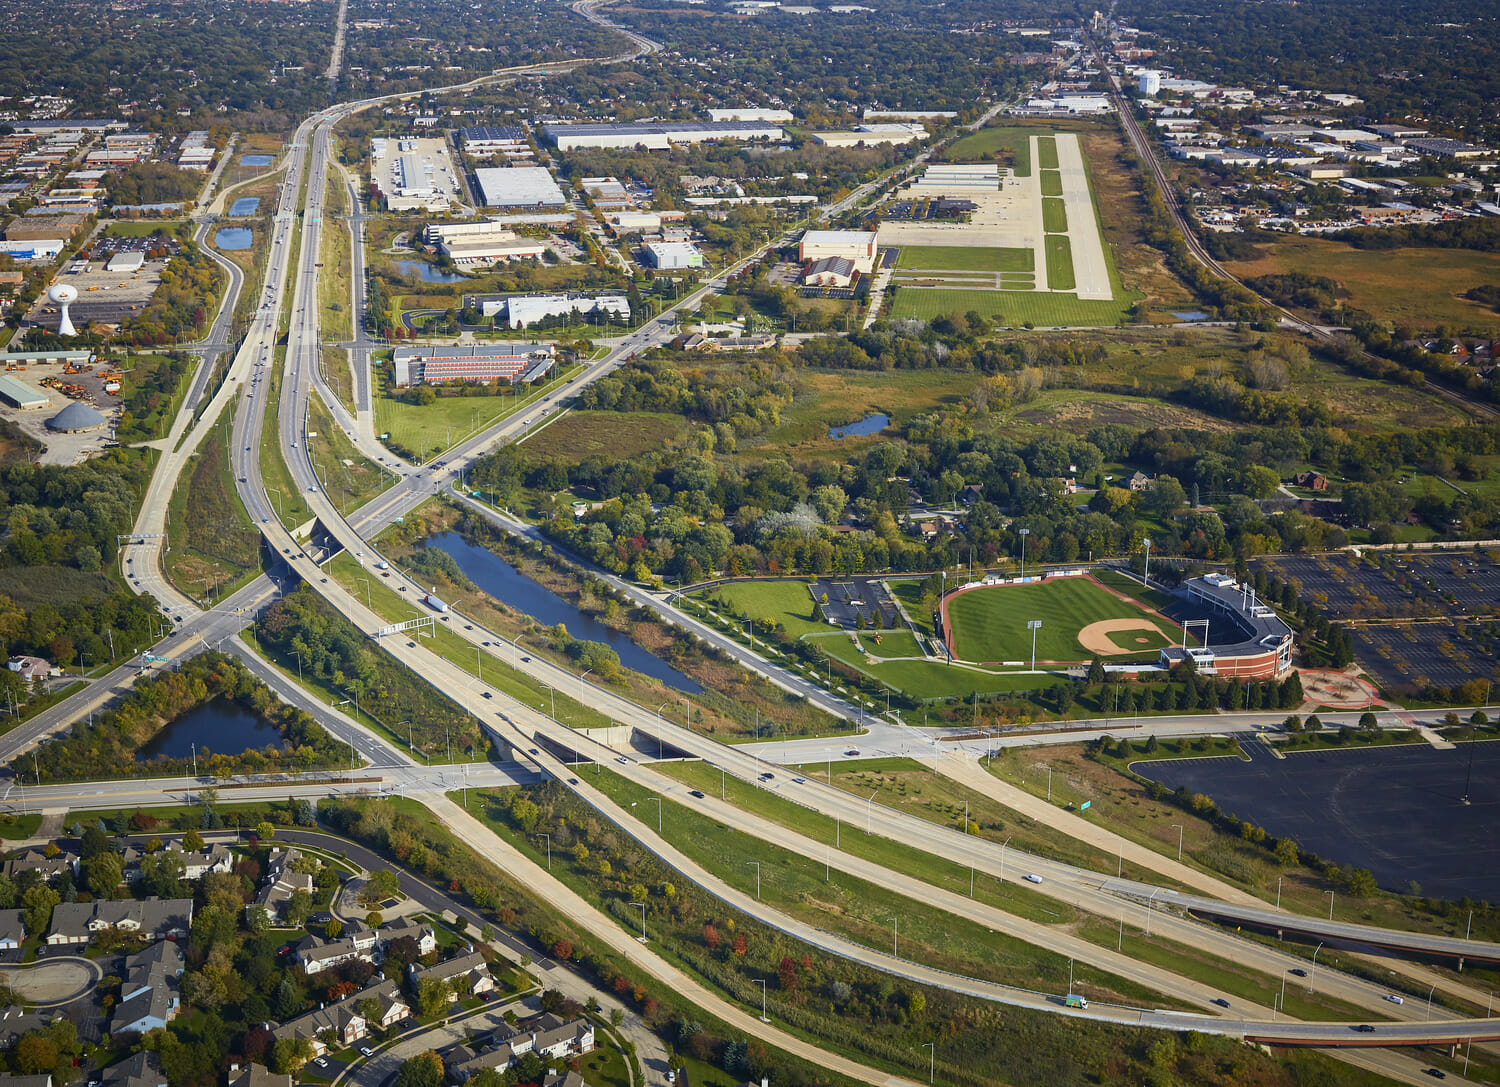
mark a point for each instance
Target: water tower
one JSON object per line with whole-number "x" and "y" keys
{"x": 64, "y": 294}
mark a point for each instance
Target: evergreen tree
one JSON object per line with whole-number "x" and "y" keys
{"x": 1096, "y": 672}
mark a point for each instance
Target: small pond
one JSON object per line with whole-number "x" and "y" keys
{"x": 427, "y": 273}
{"x": 234, "y": 237}
{"x": 219, "y": 726}
{"x": 500, "y": 580}
{"x": 257, "y": 160}
{"x": 1190, "y": 315}
{"x": 245, "y": 205}
{"x": 870, "y": 424}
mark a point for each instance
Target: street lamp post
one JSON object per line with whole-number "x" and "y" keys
{"x": 1146, "y": 577}
{"x": 688, "y": 702}
{"x": 367, "y": 592}
{"x": 1278, "y": 891}
{"x": 756, "y": 865}
{"x": 581, "y": 674}
{"x": 1023, "y": 533}
{"x": 895, "y": 936}
{"x": 1330, "y": 895}
{"x": 762, "y": 984}
{"x": 549, "y": 851}
{"x": 869, "y": 809}
{"x": 299, "y": 666}
{"x": 1312, "y": 973}
{"x": 1033, "y": 625}
{"x": 932, "y": 1060}
{"x": 1178, "y": 828}
{"x": 642, "y": 905}
{"x": 1002, "y": 857}
{"x": 1429, "y": 1001}
{"x": 659, "y": 726}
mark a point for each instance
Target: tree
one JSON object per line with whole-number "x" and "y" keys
{"x": 36, "y": 1053}
{"x": 192, "y": 841}
{"x": 334, "y": 929}
{"x": 102, "y": 874}
{"x": 1287, "y": 853}
{"x": 916, "y": 1003}
{"x": 433, "y": 997}
{"x": 288, "y": 1055}
{"x": 1359, "y": 882}
{"x": 1096, "y": 672}
{"x": 265, "y": 831}
{"x": 257, "y": 920}
{"x": 38, "y": 902}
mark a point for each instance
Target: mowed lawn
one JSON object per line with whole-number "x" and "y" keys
{"x": 964, "y": 258}
{"x": 1051, "y": 183}
{"x": 1010, "y": 308}
{"x": 1054, "y": 215}
{"x": 1060, "y": 263}
{"x": 788, "y": 602}
{"x": 990, "y": 624}
{"x": 1046, "y": 152}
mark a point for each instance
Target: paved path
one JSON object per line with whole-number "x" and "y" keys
{"x": 1090, "y": 269}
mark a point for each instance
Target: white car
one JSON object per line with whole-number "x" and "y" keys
{"x": 1033, "y": 878}
{"x": 1394, "y": 999}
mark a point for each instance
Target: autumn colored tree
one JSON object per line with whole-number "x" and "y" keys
{"x": 740, "y": 947}
{"x": 711, "y": 936}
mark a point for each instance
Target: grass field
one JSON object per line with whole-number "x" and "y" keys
{"x": 990, "y": 624}
{"x": 1051, "y": 182}
{"x": 1422, "y": 288}
{"x": 214, "y": 543}
{"x": 429, "y": 429}
{"x": 1046, "y": 152}
{"x": 617, "y": 435}
{"x": 1010, "y": 308}
{"x": 1012, "y": 144}
{"x": 348, "y": 475}
{"x": 788, "y": 602}
{"x": 1060, "y": 275}
{"x": 1054, "y": 215}
{"x": 336, "y": 257}
{"x": 286, "y": 497}
{"x": 959, "y": 258}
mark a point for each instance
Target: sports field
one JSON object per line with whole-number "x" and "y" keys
{"x": 961, "y": 258}
{"x": 1079, "y": 617}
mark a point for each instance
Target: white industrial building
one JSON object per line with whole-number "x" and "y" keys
{"x": 519, "y": 187}
{"x": 483, "y": 140}
{"x": 673, "y": 255}
{"x": 658, "y": 136}
{"x": 893, "y": 132}
{"x": 33, "y": 248}
{"x": 858, "y": 247}
{"x": 751, "y": 113}
{"x": 125, "y": 262}
{"x": 1149, "y": 83}
{"x": 491, "y": 248}
{"x": 523, "y": 311}
{"x": 414, "y": 173}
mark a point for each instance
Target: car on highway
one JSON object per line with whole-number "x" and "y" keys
{"x": 1297, "y": 972}
{"x": 1394, "y": 999}
{"x": 1435, "y": 1073}
{"x": 1221, "y": 1002}
{"x": 767, "y": 776}
{"x": 525, "y": 660}
{"x": 1363, "y": 1028}
{"x": 622, "y": 760}
{"x": 1032, "y": 877}
{"x": 853, "y": 752}
{"x": 411, "y": 645}
{"x": 698, "y": 793}
{"x": 487, "y": 694}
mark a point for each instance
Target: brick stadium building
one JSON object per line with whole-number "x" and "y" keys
{"x": 1244, "y": 638}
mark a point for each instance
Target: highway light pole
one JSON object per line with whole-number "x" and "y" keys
{"x": 1278, "y": 892}
{"x": 895, "y": 936}
{"x": 581, "y": 674}
{"x": 1002, "y": 857}
{"x": 1429, "y": 1001}
{"x": 1330, "y": 895}
{"x": 1178, "y": 828}
{"x": 762, "y": 984}
{"x": 869, "y": 809}
{"x": 549, "y": 851}
{"x": 659, "y": 726}
{"x": 931, "y": 1047}
{"x": 756, "y": 865}
{"x": 657, "y": 799}
{"x": 642, "y": 905}
{"x": 1312, "y": 973}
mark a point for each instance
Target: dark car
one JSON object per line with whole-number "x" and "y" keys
{"x": 1364, "y": 1028}
{"x": 852, "y": 752}
{"x": 1435, "y": 1073}
{"x": 1221, "y": 1002}
{"x": 487, "y": 694}
{"x": 767, "y": 776}
{"x": 697, "y": 793}
{"x": 1297, "y": 972}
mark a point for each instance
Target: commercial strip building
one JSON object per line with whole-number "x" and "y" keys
{"x": 518, "y": 187}
{"x": 870, "y": 134}
{"x": 525, "y": 310}
{"x": 658, "y": 136}
{"x": 515, "y": 362}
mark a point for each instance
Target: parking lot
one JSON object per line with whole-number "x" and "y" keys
{"x": 106, "y": 298}
{"x": 1394, "y": 585}
{"x": 847, "y": 600}
{"x": 1445, "y": 652}
{"x": 1397, "y": 811}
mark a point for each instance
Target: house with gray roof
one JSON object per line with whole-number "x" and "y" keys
{"x": 75, "y": 923}
{"x": 347, "y": 1025}
{"x": 470, "y": 969}
{"x": 139, "y": 1070}
{"x": 12, "y": 929}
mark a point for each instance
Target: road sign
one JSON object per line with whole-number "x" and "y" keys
{"x": 1085, "y": 805}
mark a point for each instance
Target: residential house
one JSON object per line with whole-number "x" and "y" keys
{"x": 1316, "y": 481}
{"x": 137, "y": 1071}
{"x": 1138, "y": 481}
{"x": 470, "y": 967}
{"x": 154, "y": 919}
{"x": 253, "y": 1075}
{"x": 217, "y": 858}
{"x": 49, "y": 868}
{"x": 425, "y": 938}
{"x": 971, "y": 493}
{"x": 26, "y": 1081}
{"x": 315, "y": 955}
{"x": 149, "y": 993}
{"x": 12, "y": 929}
{"x": 546, "y": 1035}
{"x": 347, "y": 1025}
{"x": 31, "y": 668}
{"x": 393, "y": 1006}
{"x": 14, "y": 1023}
{"x": 282, "y": 882}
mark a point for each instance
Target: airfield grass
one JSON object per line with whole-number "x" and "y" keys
{"x": 1060, "y": 275}
{"x": 962, "y": 258}
{"x": 1010, "y": 307}
{"x": 990, "y": 624}
{"x": 1054, "y": 215}
{"x": 1011, "y": 144}
{"x": 1046, "y": 152}
{"x": 1051, "y": 181}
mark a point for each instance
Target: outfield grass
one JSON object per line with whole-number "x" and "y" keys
{"x": 1051, "y": 181}
{"x": 990, "y": 624}
{"x": 1046, "y": 152}
{"x": 962, "y": 258}
{"x": 616, "y": 435}
{"x": 1010, "y": 308}
{"x": 1060, "y": 263}
{"x": 1054, "y": 215}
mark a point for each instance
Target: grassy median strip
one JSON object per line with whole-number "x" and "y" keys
{"x": 350, "y": 478}
{"x": 335, "y": 256}
{"x": 289, "y": 503}
{"x": 861, "y": 911}
{"x": 851, "y": 838}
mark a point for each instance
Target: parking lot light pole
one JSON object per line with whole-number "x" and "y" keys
{"x": 1023, "y": 533}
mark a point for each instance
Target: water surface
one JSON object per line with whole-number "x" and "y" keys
{"x": 220, "y": 726}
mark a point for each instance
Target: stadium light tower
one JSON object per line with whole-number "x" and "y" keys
{"x": 1146, "y": 577}
{"x": 1023, "y": 533}
{"x": 1034, "y": 625}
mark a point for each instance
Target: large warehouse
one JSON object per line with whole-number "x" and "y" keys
{"x": 494, "y": 140}
{"x": 856, "y": 246}
{"x": 658, "y": 136}
{"x": 665, "y": 256}
{"x": 489, "y": 362}
{"x": 518, "y": 187}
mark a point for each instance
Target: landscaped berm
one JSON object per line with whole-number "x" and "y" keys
{"x": 1080, "y": 617}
